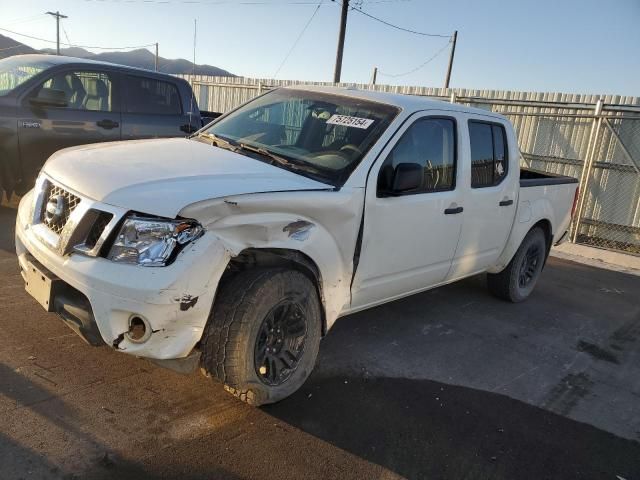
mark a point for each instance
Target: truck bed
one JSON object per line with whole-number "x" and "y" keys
{"x": 537, "y": 178}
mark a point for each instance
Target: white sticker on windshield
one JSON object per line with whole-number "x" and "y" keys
{"x": 348, "y": 121}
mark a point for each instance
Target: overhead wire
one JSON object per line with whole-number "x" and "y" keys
{"x": 64, "y": 30}
{"x": 31, "y": 18}
{"x": 75, "y": 45}
{"x": 297, "y": 40}
{"x": 15, "y": 46}
{"x": 392, "y": 25}
{"x": 357, "y": 8}
{"x": 422, "y": 65}
{"x": 210, "y": 2}
{"x": 407, "y": 30}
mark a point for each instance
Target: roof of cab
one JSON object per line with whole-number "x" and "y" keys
{"x": 55, "y": 60}
{"x": 410, "y": 103}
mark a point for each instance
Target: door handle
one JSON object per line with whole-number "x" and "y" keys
{"x": 453, "y": 211}
{"x": 107, "y": 124}
{"x": 506, "y": 203}
{"x": 186, "y": 128}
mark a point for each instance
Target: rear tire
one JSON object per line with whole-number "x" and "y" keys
{"x": 516, "y": 282}
{"x": 263, "y": 334}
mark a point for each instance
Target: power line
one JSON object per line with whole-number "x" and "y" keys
{"x": 397, "y": 27}
{"x": 64, "y": 30}
{"x": 75, "y": 45}
{"x": 371, "y": 2}
{"x": 295, "y": 43}
{"x": 15, "y": 46}
{"x": 424, "y": 64}
{"x": 40, "y": 16}
{"x": 211, "y": 2}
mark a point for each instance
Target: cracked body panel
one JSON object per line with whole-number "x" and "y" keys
{"x": 293, "y": 221}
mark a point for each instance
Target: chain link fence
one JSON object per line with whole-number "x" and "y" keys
{"x": 594, "y": 139}
{"x": 609, "y": 216}
{"x": 603, "y": 151}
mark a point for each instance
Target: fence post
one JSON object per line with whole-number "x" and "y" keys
{"x": 588, "y": 165}
{"x": 259, "y": 88}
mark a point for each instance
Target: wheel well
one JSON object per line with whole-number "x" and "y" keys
{"x": 251, "y": 258}
{"x": 545, "y": 225}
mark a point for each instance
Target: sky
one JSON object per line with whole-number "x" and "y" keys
{"x": 587, "y": 46}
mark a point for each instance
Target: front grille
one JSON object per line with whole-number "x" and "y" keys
{"x": 57, "y": 206}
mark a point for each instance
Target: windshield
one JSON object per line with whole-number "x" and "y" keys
{"x": 17, "y": 70}
{"x": 323, "y": 136}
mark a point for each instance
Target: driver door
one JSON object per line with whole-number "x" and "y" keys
{"x": 91, "y": 115}
{"x": 409, "y": 237}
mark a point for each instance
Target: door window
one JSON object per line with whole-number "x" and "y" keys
{"x": 83, "y": 90}
{"x": 431, "y": 143}
{"x": 488, "y": 154}
{"x": 156, "y": 97}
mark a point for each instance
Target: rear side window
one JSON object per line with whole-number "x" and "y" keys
{"x": 489, "y": 162}
{"x": 147, "y": 95}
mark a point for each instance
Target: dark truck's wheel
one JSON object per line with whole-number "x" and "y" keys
{"x": 263, "y": 335}
{"x": 516, "y": 282}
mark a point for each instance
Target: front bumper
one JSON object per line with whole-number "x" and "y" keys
{"x": 175, "y": 300}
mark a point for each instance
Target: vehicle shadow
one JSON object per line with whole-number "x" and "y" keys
{"x": 18, "y": 460}
{"x": 427, "y": 429}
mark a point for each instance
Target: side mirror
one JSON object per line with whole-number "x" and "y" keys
{"x": 49, "y": 97}
{"x": 407, "y": 177}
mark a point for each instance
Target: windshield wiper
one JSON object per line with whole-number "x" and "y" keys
{"x": 275, "y": 158}
{"x": 221, "y": 142}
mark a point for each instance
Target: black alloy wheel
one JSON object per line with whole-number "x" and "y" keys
{"x": 280, "y": 343}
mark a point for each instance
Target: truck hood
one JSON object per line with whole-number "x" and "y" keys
{"x": 160, "y": 177}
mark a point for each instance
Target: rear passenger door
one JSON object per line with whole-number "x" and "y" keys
{"x": 490, "y": 199}
{"x": 91, "y": 115}
{"x": 152, "y": 108}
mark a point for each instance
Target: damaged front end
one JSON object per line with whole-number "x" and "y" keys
{"x": 109, "y": 298}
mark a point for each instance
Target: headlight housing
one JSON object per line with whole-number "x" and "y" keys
{"x": 152, "y": 242}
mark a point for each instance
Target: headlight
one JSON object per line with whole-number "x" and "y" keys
{"x": 152, "y": 242}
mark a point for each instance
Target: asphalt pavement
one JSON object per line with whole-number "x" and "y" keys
{"x": 450, "y": 383}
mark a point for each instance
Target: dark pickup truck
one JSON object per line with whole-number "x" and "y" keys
{"x": 48, "y": 103}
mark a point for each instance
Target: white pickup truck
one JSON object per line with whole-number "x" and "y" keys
{"x": 237, "y": 249}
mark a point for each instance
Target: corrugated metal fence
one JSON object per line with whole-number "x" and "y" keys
{"x": 595, "y": 138}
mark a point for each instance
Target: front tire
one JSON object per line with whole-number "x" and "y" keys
{"x": 516, "y": 282}
{"x": 263, "y": 334}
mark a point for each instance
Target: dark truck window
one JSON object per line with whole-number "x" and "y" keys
{"x": 147, "y": 95}
{"x": 488, "y": 154}
{"x": 83, "y": 90}
{"x": 431, "y": 143}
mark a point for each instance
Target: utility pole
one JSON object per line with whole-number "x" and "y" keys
{"x": 58, "y": 16}
{"x": 374, "y": 75}
{"x": 341, "y": 34}
{"x": 156, "y": 56}
{"x": 453, "y": 52}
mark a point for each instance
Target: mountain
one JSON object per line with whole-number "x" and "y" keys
{"x": 140, "y": 58}
{"x": 143, "y": 58}
{"x": 9, "y": 47}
